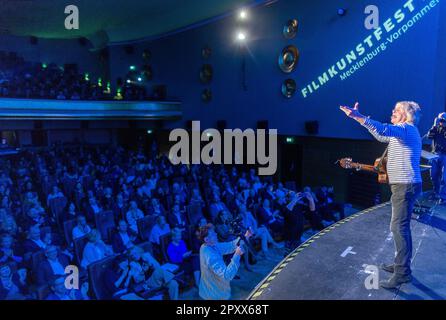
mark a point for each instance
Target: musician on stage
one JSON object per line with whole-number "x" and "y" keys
{"x": 403, "y": 169}
{"x": 438, "y": 165}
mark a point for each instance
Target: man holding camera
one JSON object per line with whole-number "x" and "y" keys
{"x": 438, "y": 173}
{"x": 216, "y": 276}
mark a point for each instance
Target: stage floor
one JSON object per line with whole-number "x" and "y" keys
{"x": 333, "y": 264}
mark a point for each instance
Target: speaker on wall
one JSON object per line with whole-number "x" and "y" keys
{"x": 312, "y": 127}
{"x": 263, "y": 124}
{"x": 221, "y": 125}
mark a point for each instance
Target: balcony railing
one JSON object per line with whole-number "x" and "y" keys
{"x": 31, "y": 109}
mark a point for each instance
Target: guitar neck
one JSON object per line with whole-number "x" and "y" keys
{"x": 363, "y": 167}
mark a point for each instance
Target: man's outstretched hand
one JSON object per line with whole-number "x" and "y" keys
{"x": 353, "y": 113}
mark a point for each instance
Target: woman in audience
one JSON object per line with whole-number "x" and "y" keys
{"x": 92, "y": 208}
{"x": 56, "y": 193}
{"x": 8, "y": 253}
{"x": 179, "y": 254}
{"x": 160, "y": 229}
{"x": 119, "y": 208}
{"x": 70, "y": 214}
{"x": 133, "y": 215}
{"x": 156, "y": 208}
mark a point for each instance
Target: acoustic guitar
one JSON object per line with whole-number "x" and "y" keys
{"x": 379, "y": 167}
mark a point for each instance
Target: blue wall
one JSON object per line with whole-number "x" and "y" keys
{"x": 412, "y": 68}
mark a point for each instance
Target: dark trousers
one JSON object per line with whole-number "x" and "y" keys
{"x": 438, "y": 175}
{"x": 403, "y": 200}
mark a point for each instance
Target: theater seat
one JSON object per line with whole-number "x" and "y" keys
{"x": 164, "y": 184}
{"x": 57, "y": 207}
{"x": 104, "y": 221}
{"x": 68, "y": 227}
{"x": 96, "y": 274}
{"x": 145, "y": 226}
{"x": 194, "y": 213}
{"x": 164, "y": 242}
{"x": 79, "y": 245}
{"x": 37, "y": 258}
{"x": 43, "y": 292}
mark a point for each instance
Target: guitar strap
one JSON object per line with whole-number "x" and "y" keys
{"x": 382, "y": 159}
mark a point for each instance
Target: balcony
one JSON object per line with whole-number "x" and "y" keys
{"x": 33, "y": 109}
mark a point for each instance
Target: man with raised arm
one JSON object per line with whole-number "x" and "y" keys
{"x": 403, "y": 169}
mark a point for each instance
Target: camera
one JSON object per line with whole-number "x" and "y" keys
{"x": 237, "y": 227}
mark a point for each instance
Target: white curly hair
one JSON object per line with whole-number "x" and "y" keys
{"x": 412, "y": 111}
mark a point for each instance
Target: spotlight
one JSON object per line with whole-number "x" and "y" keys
{"x": 342, "y": 12}
{"x": 129, "y": 81}
{"x": 139, "y": 79}
{"x": 133, "y": 68}
{"x": 241, "y": 36}
{"x": 149, "y": 131}
{"x": 243, "y": 14}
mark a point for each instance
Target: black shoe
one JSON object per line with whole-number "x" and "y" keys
{"x": 395, "y": 281}
{"x": 388, "y": 267}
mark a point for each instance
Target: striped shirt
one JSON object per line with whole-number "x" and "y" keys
{"x": 403, "y": 155}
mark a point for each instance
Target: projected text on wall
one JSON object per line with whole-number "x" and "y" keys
{"x": 375, "y": 44}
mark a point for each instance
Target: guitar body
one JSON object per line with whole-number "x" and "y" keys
{"x": 381, "y": 170}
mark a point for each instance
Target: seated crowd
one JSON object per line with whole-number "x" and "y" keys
{"x": 129, "y": 222}
{"x": 22, "y": 79}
